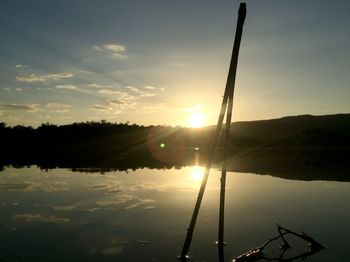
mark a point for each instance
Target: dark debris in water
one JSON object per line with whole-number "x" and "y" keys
{"x": 257, "y": 253}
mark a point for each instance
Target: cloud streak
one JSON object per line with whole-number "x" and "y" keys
{"x": 63, "y": 208}
{"x": 58, "y": 108}
{"x": 67, "y": 87}
{"x": 39, "y": 218}
{"x": 20, "y": 107}
{"x": 114, "y": 49}
{"x": 29, "y": 78}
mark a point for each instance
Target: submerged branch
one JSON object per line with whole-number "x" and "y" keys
{"x": 257, "y": 253}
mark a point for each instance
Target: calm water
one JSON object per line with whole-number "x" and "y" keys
{"x": 142, "y": 215}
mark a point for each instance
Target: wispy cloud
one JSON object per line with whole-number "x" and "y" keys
{"x": 67, "y": 87}
{"x": 20, "y": 66}
{"x": 105, "y": 108}
{"x": 106, "y": 91}
{"x": 114, "y": 106}
{"x": 58, "y": 108}
{"x": 39, "y": 218}
{"x": 115, "y": 49}
{"x": 20, "y": 107}
{"x": 43, "y": 78}
{"x": 147, "y": 95}
{"x": 55, "y": 187}
{"x": 115, "y": 101}
{"x": 14, "y": 186}
{"x": 151, "y": 87}
{"x": 63, "y": 208}
{"x": 95, "y": 85}
{"x": 50, "y": 187}
{"x": 143, "y": 93}
{"x": 121, "y": 96}
{"x": 135, "y": 90}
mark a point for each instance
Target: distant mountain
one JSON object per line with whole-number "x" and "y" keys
{"x": 291, "y": 125}
{"x": 293, "y": 131}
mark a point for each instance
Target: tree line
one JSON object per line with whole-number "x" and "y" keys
{"x": 89, "y": 143}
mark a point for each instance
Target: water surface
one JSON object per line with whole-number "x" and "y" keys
{"x": 142, "y": 215}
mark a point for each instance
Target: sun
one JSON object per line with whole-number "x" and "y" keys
{"x": 197, "y": 173}
{"x": 196, "y": 120}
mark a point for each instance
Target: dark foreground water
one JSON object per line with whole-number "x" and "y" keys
{"x": 142, "y": 215}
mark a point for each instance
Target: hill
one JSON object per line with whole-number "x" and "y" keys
{"x": 295, "y": 131}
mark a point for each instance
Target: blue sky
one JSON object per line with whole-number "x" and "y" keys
{"x": 158, "y": 62}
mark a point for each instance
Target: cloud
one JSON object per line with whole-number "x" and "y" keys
{"x": 150, "y": 87}
{"x": 106, "y": 91}
{"x": 110, "y": 188}
{"x": 140, "y": 202}
{"x": 64, "y": 208}
{"x": 55, "y": 187}
{"x": 115, "y": 101}
{"x": 148, "y": 95}
{"x": 96, "y": 85}
{"x": 120, "y": 195}
{"x": 19, "y": 89}
{"x": 58, "y": 108}
{"x": 43, "y": 78}
{"x": 97, "y": 48}
{"x": 135, "y": 90}
{"x": 30, "y": 78}
{"x": 122, "y": 96}
{"x": 105, "y": 108}
{"x": 141, "y": 92}
{"x": 121, "y": 199}
{"x": 130, "y": 200}
{"x": 50, "y": 187}
{"x": 115, "y": 49}
{"x": 39, "y": 218}
{"x": 67, "y": 87}
{"x": 93, "y": 209}
{"x": 13, "y": 186}
{"x": 148, "y": 207}
{"x": 20, "y": 107}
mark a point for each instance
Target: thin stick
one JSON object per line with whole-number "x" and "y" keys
{"x": 230, "y": 85}
{"x": 184, "y": 257}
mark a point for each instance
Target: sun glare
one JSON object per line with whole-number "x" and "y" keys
{"x": 196, "y": 120}
{"x": 197, "y": 173}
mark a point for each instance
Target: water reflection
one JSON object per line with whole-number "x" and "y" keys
{"x": 141, "y": 215}
{"x": 333, "y": 165}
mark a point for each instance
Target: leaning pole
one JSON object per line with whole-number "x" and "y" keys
{"x": 226, "y": 106}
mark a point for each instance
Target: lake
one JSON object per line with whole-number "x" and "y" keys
{"x": 142, "y": 214}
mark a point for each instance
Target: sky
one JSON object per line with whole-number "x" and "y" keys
{"x": 156, "y": 62}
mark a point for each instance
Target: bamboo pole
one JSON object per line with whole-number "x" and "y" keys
{"x": 230, "y": 85}
{"x": 231, "y": 79}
